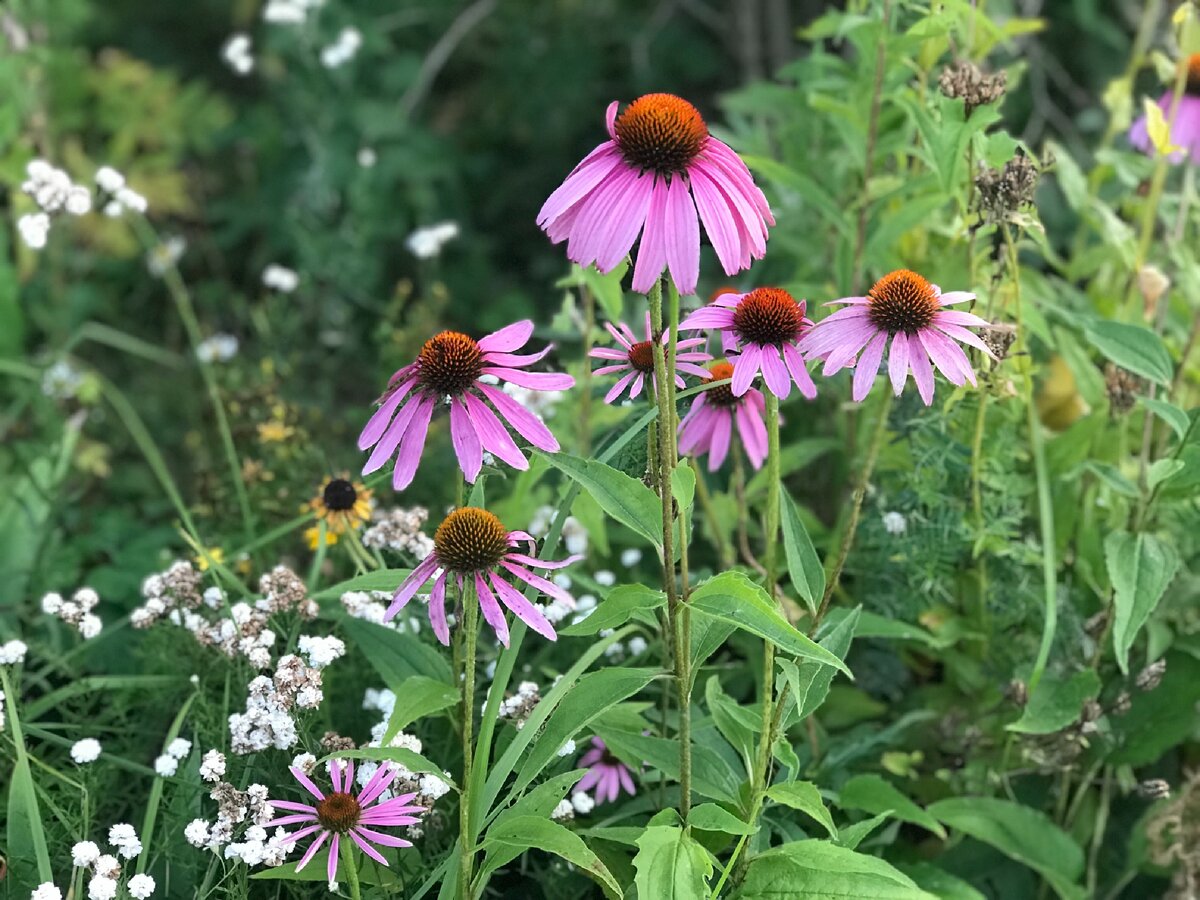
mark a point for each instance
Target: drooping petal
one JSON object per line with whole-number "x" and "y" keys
{"x": 378, "y": 422}
{"x": 594, "y": 169}
{"x": 466, "y": 442}
{"x": 507, "y": 339}
{"x": 719, "y": 447}
{"x": 745, "y": 367}
{"x": 522, "y": 420}
{"x": 492, "y": 613}
{"x": 437, "y": 610}
{"x": 331, "y": 866}
{"x": 409, "y": 586}
{"x": 387, "y": 444}
{"x": 717, "y": 219}
{"x": 366, "y": 847}
{"x": 297, "y": 836}
{"x": 628, "y": 216}
{"x": 622, "y": 383}
{"x": 961, "y": 334}
{"x": 942, "y": 351}
{"x": 523, "y": 609}
{"x": 492, "y": 433}
{"x": 898, "y": 362}
{"x": 596, "y": 220}
{"x": 312, "y": 850}
{"x": 306, "y": 782}
{"x": 682, "y": 237}
{"x": 652, "y": 254}
{"x": 922, "y": 371}
{"x": 867, "y": 367}
{"x": 412, "y": 446}
{"x": 753, "y": 432}
{"x": 799, "y": 371}
{"x": 775, "y": 373}
{"x": 379, "y": 837}
{"x": 549, "y": 588}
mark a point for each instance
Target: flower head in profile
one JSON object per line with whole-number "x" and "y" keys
{"x": 759, "y": 332}
{"x": 343, "y": 505}
{"x": 708, "y": 426}
{"x": 450, "y": 368}
{"x": 473, "y": 547}
{"x": 660, "y": 174}
{"x": 910, "y": 312}
{"x": 342, "y": 814}
{"x": 636, "y": 359}
{"x": 607, "y": 774}
{"x": 1185, "y": 130}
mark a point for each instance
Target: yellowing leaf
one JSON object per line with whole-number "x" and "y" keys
{"x": 1157, "y": 128}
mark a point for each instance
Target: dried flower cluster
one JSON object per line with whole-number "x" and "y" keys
{"x": 399, "y": 529}
{"x": 965, "y": 81}
{"x": 76, "y": 612}
{"x": 1000, "y": 194}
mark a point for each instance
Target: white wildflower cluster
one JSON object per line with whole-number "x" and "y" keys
{"x": 121, "y": 197}
{"x": 76, "y": 612}
{"x": 61, "y": 380}
{"x": 237, "y": 53}
{"x": 164, "y": 255}
{"x": 574, "y": 535}
{"x": 105, "y": 880}
{"x": 426, "y": 243}
{"x": 168, "y": 762}
{"x": 13, "y": 653}
{"x": 239, "y": 831}
{"x": 85, "y": 751}
{"x": 517, "y": 707}
{"x": 279, "y": 278}
{"x": 221, "y": 347}
{"x": 342, "y": 50}
{"x": 368, "y": 605}
{"x": 289, "y": 12}
{"x": 579, "y": 804}
{"x": 53, "y": 191}
{"x": 541, "y": 403}
{"x": 400, "y": 529}
{"x": 267, "y": 721}
{"x": 895, "y": 523}
{"x": 617, "y": 651}
{"x": 46, "y": 891}
{"x": 321, "y": 651}
{"x": 212, "y": 766}
{"x": 631, "y": 557}
{"x": 305, "y": 762}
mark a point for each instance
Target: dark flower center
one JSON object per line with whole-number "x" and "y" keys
{"x": 339, "y": 812}
{"x": 769, "y": 316}
{"x": 470, "y": 540}
{"x": 660, "y": 132}
{"x": 449, "y": 363}
{"x": 1193, "y": 75}
{"x": 339, "y": 495}
{"x": 641, "y": 356}
{"x": 722, "y": 395}
{"x": 902, "y": 301}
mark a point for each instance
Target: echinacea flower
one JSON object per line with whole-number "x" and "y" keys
{"x": 658, "y": 170}
{"x": 471, "y": 545}
{"x": 910, "y": 311}
{"x": 636, "y": 359}
{"x": 759, "y": 332}
{"x": 343, "y": 505}
{"x": 341, "y": 814}
{"x": 607, "y": 774}
{"x": 450, "y": 367}
{"x": 708, "y": 425}
{"x": 1185, "y": 130}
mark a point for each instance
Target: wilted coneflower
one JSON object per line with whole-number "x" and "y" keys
{"x": 759, "y": 332}
{"x": 450, "y": 368}
{"x": 1185, "y": 130}
{"x": 708, "y": 425}
{"x": 659, "y": 169}
{"x": 636, "y": 359}
{"x": 607, "y": 774}
{"x": 470, "y": 545}
{"x": 908, "y": 309}
{"x": 341, "y": 814}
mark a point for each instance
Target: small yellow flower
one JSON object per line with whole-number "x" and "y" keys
{"x": 215, "y": 554}
{"x": 274, "y": 432}
{"x": 313, "y": 536}
{"x": 343, "y": 504}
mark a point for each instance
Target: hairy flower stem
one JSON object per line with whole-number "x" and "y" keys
{"x": 466, "y": 842}
{"x": 1037, "y": 445}
{"x": 350, "y": 866}
{"x": 856, "y": 502}
{"x": 860, "y": 231}
{"x": 588, "y": 302}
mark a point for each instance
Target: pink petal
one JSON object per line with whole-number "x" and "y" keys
{"x": 717, "y": 219}
{"x": 753, "y": 432}
{"x": 922, "y": 371}
{"x": 492, "y": 433}
{"x": 437, "y": 610}
{"x": 385, "y": 839}
{"x": 367, "y": 848}
{"x": 958, "y": 317}
{"x": 391, "y": 439}
{"x": 290, "y": 820}
{"x": 409, "y": 586}
{"x": 587, "y": 175}
{"x": 289, "y": 805}
{"x": 898, "y": 362}
{"x": 538, "y": 381}
{"x": 745, "y": 367}
{"x": 652, "y": 254}
{"x": 799, "y": 371}
{"x": 682, "y": 237}
{"x": 615, "y": 391}
{"x": 466, "y": 442}
{"x": 628, "y": 216}
{"x": 961, "y": 334}
{"x": 297, "y": 836}
{"x": 378, "y": 422}
{"x": 867, "y": 367}
{"x": 311, "y": 851}
{"x": 412, "y": 446}
{"x": 596, "y": 223}
{"x": 517, "y": 360}
{"x": 523, "y": 609}
{"x": 509, "y": 338}
{"x": 549, "y": 588}
{"x": 775, "y": 373}
{"x": 941, "y": 350}
{"x": 626, "y": 779}
{"x": 708, "y": 317}
{"x": 377, "y": 784}
{"x": 331, "y": 867}
{"x": 719, "y": 446}
{"x": 306, "y": 782}
{"x": 492, "y": 613}
{"x": 522, "y": 420}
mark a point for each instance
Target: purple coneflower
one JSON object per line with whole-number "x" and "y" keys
{"x": 708, "y": 425}
{"x": 342, "y": 814}
{"x": 908, "y": 309}
{"x": 659, "y": 169}
{"x": 636, "y": 359}
{"x": 1185, "y": 130}
{"x": 759, "y": 331}
{"x": 472, "y": 543}
{"x": 450, "y": 367}
{"x": 606, "y": 773}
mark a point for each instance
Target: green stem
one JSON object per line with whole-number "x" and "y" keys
{"x": 351, "y": 867}
{"x": 856, "y": 502}
{"x": 585, "y": 377}
{"x": 977, "y": 504}
{"x": 1045, "y": 505}
{"x": 770, "y": 538}
{"x": 466, "y": 841}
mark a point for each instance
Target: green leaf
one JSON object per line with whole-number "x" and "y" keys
{"x": 873, "y": 625}
{"x": 671, "y": 865}
{"x": 940, "y": 882}
{"x": 624, "y": 498}
{"x": 1112, "y": 477}
{"x": 379, "y": 580}
{"x": 1019, "y": 832}
{"x": 622, "y": 604}
{"x": 396, "y": 656}
{"x": 1169, "y": 413}
{"x": 804, "y": 796}
{"x": 810, "y": 680}
{"x": 1159, "y": 719}
{"x": 27, "y": 850}
{"x": 819, "y": 870}
{"x": 1140, "y": 568}
{"x": 853, "y": 835}
{"x": 734, "y": 598}
{"x": 416, "y": 697}
{"x": 1055, "y": 703}
{"x": 541, "y": 833}
{"x": 712, "y": 776}
{"x": 710, "y": 817}
{"x": 592, "y": 695}
{"x": 1133, "y": 347}
{"x": 804, "y": 566}
{"x": 873, "y": 794}
{"x": 737, "y": 724}
{"x": 1163, "y": 470}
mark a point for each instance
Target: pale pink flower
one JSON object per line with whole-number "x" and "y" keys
{"x": 607, "y": 774}
{"x": 709, "y": 425}
{"x": 636, "y": 359}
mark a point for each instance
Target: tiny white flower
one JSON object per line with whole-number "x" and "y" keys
{"x": 220, "y": 347}
{"x": 236, "y": 53}
{"x": 567, "y": 749}
{"x": 125, "y": 839}
{"x": 141, "y": 886}
{"x": 13, "y": 653}
{"x": 46, "y": 891}
{"x": 367, "y": 157}
{"x": 107, "y": 866}
{"x": 131, "y": 199}
{"x": 179, "y": 748}
{"x": 280, "y": 278}
{"x": 564, "y": 810}
{"x": 605, "y": 578}
{"x": 89, "y": 626}
{"x": 109, "y": 179}
{"x": 582, "y": 802}
{"x": 212, "y": 766}
{"x": 85, "y": 751}
{"x": 196, "y": 832}
{"x": 631, "y": 557}
{"x": 895, "y": 523}
{"x": 52, "y": 603}
{"x": 34, "y": 229}
{"x": 636, "y": 645}
{"x": 79, "y": 200}
{"x": 426, "y": 243}
{"x": 84, "y": 854}
{"x": 101, "y": 888}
